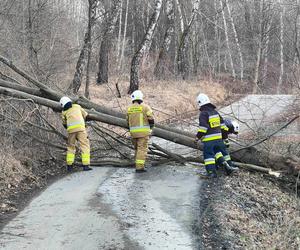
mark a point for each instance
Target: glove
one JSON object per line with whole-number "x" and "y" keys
{"x": 65, "y": 126}
{"x": 196, "y": 141}
{"x": 227, "y": 143}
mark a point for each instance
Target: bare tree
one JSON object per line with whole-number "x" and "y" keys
{"x": 85, "y": 51}
{"x": 182, "y": 57}
{"x": 103, "y": 63}
{"x": 124, "y": 37}
{"x": 281, "y": 49}
{"x": 161, "y": 65}
{"x": 144, "y": 46}
{"x": 229, "y": 53}
{"x": 236, "y": 38}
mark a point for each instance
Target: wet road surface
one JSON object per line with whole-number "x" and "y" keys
{"x": 110, "y": 208}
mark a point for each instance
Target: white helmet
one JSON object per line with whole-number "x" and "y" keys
{"x": 137, "y": 95}
{"x": 202, "y": 99}
{"x": 236, "y": 127}
{"x": 64, "y": 100}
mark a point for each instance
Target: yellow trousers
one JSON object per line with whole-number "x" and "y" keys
{"x": 141, "y": 150}
{"x": 84, "y": 142}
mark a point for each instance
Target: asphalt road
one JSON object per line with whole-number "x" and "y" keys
{"x": 110, "y": 208}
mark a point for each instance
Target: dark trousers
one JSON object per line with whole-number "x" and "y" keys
{"x": 214, "y": 152}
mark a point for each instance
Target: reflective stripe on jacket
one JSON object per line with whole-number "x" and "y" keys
{"x": 74, "y": 118}
{"x": 211, "y": 124}
{"x": 138, "y": 116}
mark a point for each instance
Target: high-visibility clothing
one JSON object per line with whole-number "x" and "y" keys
{"x": 213, "y": 152}
{"x": 140, "y": 121}
{"x": 74, "y": 118}
{"x": 81, "y": 137}
{"x": 141, "y": 150}
{"x": 138, "y": 117}
{"x": 211, "y": 124}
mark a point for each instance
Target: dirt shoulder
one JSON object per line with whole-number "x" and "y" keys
{"x": 19, "y": 183}
{"x": 250, "y": 211}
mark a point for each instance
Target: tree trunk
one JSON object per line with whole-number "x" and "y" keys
{"x": 227, "y": 42}
{"x": 262, "y": 158}
{"x": 180, "y": 16}
{"x": 119, "y": 32}
{"x": 182, "y": 54}
{"x": 236, "y": 41}
{"x": 124, "y": 38}
{"x": 259, "y": 49}
{"x": 144, "y": 46}
{"x": 85, "y": 51}
{"x": 87, "y": 83}
{"x": 106, "y": 43}
{"x": 162, "y": 61}
{"x": 281, "y": 50}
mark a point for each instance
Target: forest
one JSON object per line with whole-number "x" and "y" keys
{"x": 244, "y": 54}
{"x": 70, "y": 44}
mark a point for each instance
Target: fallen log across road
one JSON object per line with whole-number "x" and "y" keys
{"x": 46, "y": 96}
{"x": 247, "y": 155}
{"x": 100, "y": 117}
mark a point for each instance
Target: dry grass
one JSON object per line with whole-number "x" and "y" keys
{"x": 167, "y": 98}
{"x": 258, "y": 213}
{"x": 12, "y": 172}
{"x": 18, "y": 176}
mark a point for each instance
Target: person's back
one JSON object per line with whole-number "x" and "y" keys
{"x": 210, "y": 123}
{"x": 74, "y": 118}
{"x": 138, "y": 120}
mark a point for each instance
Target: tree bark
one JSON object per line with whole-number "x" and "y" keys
{"x": 233, "y": 74}
{"x": 249, "y": 155}
{"x": 236, "y": 38}
{"x": 162, "y": 61}
{"x": 105, "y": 46}
{"x": 120, "y": 67}
{"x": 281, "y": 50}
{"x": 144, "y": 46}
{"x": 85, "y": 51}
{"x": 182, "y": 54}
{"x": 259, "y": 49}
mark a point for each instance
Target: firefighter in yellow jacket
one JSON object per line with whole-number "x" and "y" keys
{"x": 73, "y": 117}
{"x": 140, "y": 121}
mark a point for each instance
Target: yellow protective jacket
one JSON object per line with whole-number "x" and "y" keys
{"x": 138, "y": 116}
{"x": 74, "y": 118}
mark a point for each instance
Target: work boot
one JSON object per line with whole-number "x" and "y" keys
{"x": 70, "y": 168}
{"x": 86, "y": 168}
{"x": 209, "y": 175}
{"x": 140, "y": 170}
{"x": 228, "y": 169}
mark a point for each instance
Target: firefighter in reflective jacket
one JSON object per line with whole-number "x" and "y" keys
{"x": 211, "y": 125}
{"x": 73, "y": 117}
{"x": 140, "y": 121}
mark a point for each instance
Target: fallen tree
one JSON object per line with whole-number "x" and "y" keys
{"x": 48, "y": 97}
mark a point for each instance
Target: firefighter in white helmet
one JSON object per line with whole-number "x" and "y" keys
{"x": 140, "y": 121}
{"x": 211, "y": 125}
{"x": 73, "y": 117}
